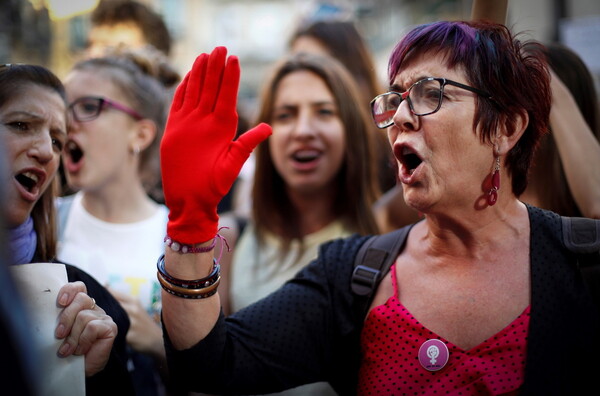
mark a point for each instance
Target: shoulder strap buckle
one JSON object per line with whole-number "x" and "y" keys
{"x": 374, "y": 259}
{"x": 581, "y": 235}
{"x": 364, "y": 279}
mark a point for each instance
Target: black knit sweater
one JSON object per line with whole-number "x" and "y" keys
{"x": 309, "y": 329}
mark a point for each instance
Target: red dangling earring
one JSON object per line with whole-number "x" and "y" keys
{"x": 493, "y": 193}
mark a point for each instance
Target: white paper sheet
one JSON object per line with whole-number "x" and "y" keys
{"x": 39, "y": 284}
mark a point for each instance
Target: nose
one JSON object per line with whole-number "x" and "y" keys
{"x": 304, "y": 128}
{"x": 404, "y": 119}
{"x": 42, "y": 149}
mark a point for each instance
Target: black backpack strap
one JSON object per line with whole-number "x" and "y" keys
{"x": 582, "y": 237}
{"x": 374, "y": 259}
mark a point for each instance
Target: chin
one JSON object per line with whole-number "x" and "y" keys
{"x": 419, "y": 206}
{"x": 17, "y": 215}
{"x": 417, "y": 200}
{"x": 74, "y": 182}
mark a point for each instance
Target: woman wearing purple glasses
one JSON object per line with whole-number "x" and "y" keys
{"x": 111, "y": 227}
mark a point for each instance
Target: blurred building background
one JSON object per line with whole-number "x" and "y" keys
{"x": 53, "y": 32}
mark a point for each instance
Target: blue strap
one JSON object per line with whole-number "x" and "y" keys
{"x": 63, "y": 209}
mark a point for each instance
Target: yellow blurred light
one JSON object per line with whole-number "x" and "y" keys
{"x": 63, "y": 9}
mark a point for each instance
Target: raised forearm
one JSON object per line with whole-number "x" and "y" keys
{"x": 491, "y": 10}
{"x": 188, "y": 321}
{"x": 578, "y": 148}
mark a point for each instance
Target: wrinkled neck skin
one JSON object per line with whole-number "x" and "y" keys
{"x": 470, "y": 233}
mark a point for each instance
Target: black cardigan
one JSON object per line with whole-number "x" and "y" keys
{"x": 309, "y": 329}
{"x": 114, "y": 379}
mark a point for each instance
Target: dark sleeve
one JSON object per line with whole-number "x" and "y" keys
{"x": 19, "y": 357}
{"x": 115, "y": 378}
{"x": 302, "y": 333}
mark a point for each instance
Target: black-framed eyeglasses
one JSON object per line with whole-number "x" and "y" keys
{"x": 424, "y": 97}
{"x": 88, "y": 108}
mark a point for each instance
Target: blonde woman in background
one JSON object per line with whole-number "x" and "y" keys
{"x": 112, "y": 227}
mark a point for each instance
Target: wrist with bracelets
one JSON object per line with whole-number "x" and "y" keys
{"x": 181, "y": 248}
{"x": 191, "y": 289}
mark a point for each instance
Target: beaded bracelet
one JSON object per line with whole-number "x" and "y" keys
{"x": 195, "y": 284}
{"x": 188, "y": 293}
{"x": 181, "y": 248}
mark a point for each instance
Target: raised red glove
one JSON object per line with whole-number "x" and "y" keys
{"x": 199, "y": 158}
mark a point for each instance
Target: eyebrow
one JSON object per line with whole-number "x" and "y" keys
{"x": 61, "y": 132}
{"x": 398, "y": 88}
{"x": 24, "y": 113}
{"x": 35, "y": 117}
{"x": 313, "y": 104}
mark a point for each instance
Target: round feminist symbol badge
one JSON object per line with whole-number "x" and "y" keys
{"x": 433, "y": 355}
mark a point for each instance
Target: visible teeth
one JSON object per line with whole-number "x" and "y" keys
{"x": 32, "y": 176}
{"x": 411, "y": 171}
{"x": 306, "y": 155}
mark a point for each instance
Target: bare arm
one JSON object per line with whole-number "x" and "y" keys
{"x": 578, "y": 148}
{"x": 188, "y": 321}
{"x": 491, "y": 10}
{"x": 179, "y": 314}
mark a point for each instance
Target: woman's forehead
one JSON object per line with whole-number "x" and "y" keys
{"x": 427, "y": 64}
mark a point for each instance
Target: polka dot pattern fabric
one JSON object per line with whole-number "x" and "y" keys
{"x": 390, "y": 345}
{"x": 310, "y": 330}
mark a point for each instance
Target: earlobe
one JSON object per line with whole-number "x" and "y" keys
{"x": 144, "y": 135}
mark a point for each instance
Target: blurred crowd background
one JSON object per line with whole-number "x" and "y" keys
{"x": 55, "y": 32}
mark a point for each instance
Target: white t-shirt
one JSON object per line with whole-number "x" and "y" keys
{"x": 122, "y": 256}
{"x": 259, "y": 270}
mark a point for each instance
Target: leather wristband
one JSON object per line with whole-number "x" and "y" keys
{"x": 188, "y": 293}
{"x": 195, "y": 284}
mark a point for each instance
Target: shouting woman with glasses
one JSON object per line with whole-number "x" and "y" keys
{"x": 111, "y": 227}
{"x": 482, "y": 297}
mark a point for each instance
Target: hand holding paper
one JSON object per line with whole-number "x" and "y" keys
{"x": 85, "y": 327}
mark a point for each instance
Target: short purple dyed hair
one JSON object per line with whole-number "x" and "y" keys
{"x": 494, "y": 61}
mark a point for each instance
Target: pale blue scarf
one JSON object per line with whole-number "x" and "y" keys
{"x": 22, "y": 241}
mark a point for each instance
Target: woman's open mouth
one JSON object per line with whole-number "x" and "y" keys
{"x": 306, "y": 159}
{"x": 30, "y": 183}
{"x": 74, "y": 151}
{"x": 409, "y": 159}
{"x": 73, "y": 156}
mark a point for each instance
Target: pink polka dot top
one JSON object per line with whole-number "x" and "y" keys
{"x": 393, "y": 360}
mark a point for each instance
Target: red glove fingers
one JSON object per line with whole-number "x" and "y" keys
{"x": 199, "y": 159}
